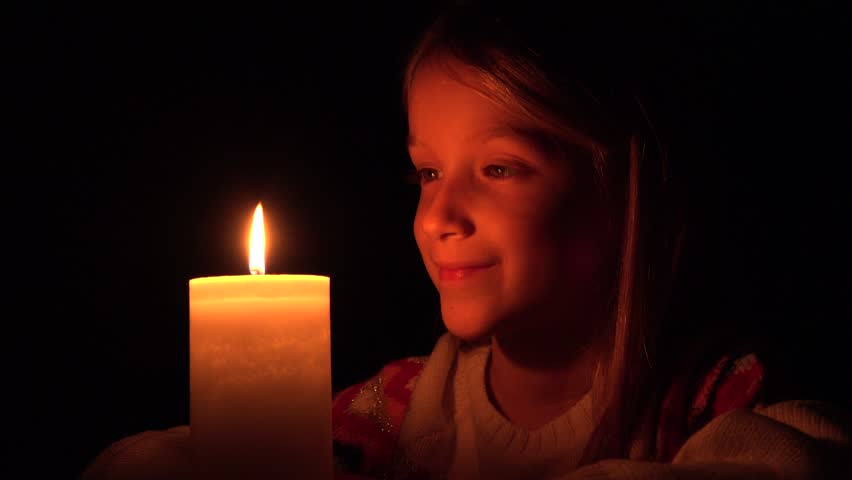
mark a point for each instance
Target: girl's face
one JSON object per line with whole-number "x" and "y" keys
{"x": 507, "y": 234}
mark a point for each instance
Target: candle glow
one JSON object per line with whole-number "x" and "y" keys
{"x": 257, "y": 243}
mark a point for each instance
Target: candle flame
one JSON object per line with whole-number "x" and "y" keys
{"x": 257, "y": 243}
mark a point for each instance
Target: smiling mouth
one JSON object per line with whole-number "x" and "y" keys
{"x": 453, "y": 274}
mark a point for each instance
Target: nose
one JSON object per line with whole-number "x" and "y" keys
{"x": 443, "y": 214}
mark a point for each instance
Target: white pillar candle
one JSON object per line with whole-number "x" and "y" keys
{"x": 260, "y": 373}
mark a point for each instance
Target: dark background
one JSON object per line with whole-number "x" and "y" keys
{"x": 141, "y": 139}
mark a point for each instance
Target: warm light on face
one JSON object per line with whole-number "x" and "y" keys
{"x": 257, "y": 243}
{"x": 498, "y": 223}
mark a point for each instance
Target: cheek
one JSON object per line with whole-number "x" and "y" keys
{"x": 562, "y": 250}
{"x": 533, "y": 251}
{"x": 586, "y": 245}
{"x": 584, "y": 258}
{"x": 588, "y": 258}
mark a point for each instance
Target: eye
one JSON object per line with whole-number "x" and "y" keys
{"x": 424, "y": 175}
{"x": 500, "y": 172}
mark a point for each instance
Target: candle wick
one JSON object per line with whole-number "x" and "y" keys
{"x": 256, "y": 271}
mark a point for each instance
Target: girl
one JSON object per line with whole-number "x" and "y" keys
{"x": 546, "y": 221}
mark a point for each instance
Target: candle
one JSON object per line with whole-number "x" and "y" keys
{"x": 260, "y": 364}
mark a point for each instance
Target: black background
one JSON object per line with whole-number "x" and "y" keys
{"x": 142, "y": 138}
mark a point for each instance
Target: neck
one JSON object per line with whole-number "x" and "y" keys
{"x": 535, "y": 376}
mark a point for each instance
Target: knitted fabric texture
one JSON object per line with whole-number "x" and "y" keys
{"x": 367, "y": 417}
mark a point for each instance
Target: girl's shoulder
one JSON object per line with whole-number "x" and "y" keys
{"x": 367, "y": 417}
{"x": 734, "y": 380}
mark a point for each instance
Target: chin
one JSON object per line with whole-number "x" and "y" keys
{"x": 468, "y": 324}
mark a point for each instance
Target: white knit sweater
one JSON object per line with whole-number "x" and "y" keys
{"x": 452, "y": 429}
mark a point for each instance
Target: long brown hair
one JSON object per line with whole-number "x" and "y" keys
{"x": 528, "y": 64}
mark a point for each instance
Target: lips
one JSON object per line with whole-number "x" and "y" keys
{"x": 456, "y": 271}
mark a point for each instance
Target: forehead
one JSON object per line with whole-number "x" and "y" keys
{"x": 443, "y": 98}
{"x": 446, "y": 101}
